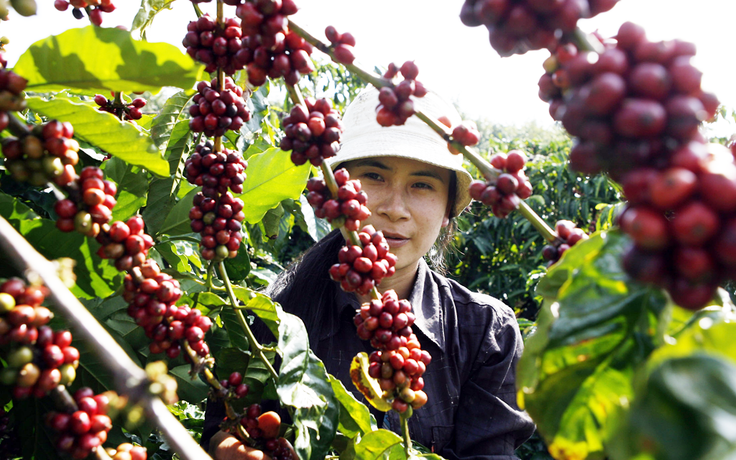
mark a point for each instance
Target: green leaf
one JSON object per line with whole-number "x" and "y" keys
{"x": 95, "y": 277}
{"x": 685, "y": 410}
{"x": 262, "y": 306}
{"x": 271, "y": 178}
{"x": 379, "y": 444}
{"x": 305, "y": 385}
{"x": 231, "y": 360}
{"x": 102, "y": 60}
{"x": 575, "y": 377}
{"x": 91, "y": 362}
{"x": 239, "y": 266}
{"x": 234, "y": 329}
{"x": 355, "y": 418}
{"x": 132, "y": 188}
{"x": 148, "y": 11}
{"x": 104, "y": 131}
{"x": 189, "y": 389}
{"x": 163, "y": 192}
{"x": 177, "y": 222}
{"x": 170, "y": 116}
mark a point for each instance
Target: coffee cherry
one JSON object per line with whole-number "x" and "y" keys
{"x": 216, "y": 111}
{"x": 510, "y": 188}
{"x": 516, "y": 27}
{"x": 361, "y": 269}
{"x": 466, "y": 133}
{"x": 342, "y": 45}
{"x": 123, "y": 110}
{"x": 620, "y": 103}
{"x": 48, "y": 154}
{"x": 567, "y": 236}
{"x": 312, "y": 133}
{"x": 216, "y": 172}
{"x": 11, "y": 97}
{"x": 347, "y": 208}
{"x": 399, "y": 362}
{"x": 215, "y": 45}
{"x": 395, "y": 105}
{"x": 269, "y": 48}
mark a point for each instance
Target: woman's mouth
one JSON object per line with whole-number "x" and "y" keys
{"x": 395, "y": 240}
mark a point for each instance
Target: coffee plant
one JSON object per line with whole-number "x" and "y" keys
{"x": 166, "y": 212}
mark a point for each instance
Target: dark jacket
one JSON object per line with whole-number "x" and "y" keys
{"x": 475, "y": 345}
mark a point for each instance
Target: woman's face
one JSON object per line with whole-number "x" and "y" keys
{"x": 408, "y": 200}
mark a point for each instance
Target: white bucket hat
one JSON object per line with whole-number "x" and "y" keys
{"x": 365, "y": 138}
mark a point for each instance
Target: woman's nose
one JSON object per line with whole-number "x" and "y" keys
{"x": 392, "y": 204}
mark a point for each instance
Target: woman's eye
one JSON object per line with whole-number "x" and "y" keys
{"x": 423, "y": 185}
{"x": 372, "y": 175}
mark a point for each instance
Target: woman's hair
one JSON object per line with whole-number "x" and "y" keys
{"x": 437, "y": 255}
{"x": 305, "y": 287}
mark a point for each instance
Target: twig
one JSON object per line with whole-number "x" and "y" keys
{"x": 370, "y": 77}
{"x": 128, "y": 376}
{"x": 405, "y": 430}
{"x": 252, "y": 338}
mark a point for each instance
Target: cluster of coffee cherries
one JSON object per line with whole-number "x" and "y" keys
{"x": 38, "y": 368}
{"x": 233, "y": 387}
{"x": 90, "y": 203}
{"x": 125, "y": 242}
{"x": 80, "y": 432}
{"x": 127, "y": 451}
{"x": 361, "y": 269}
{"x": 11, "y": 95}
{"x": 94, "y": 8}
{"x": 313, "y": 132}
{"x": 680, "y": 219}
{"x": 342, "y": 45}
{"x": 636, "y": 111}
{"x": 215, "y": 172}
{"x": 215, "y": 111}
{"x": 636, "y": 104}
{"x": 215, "y": 45}
{"x": 263, "y": 429}
{"x": 220, "y": 224}
{"x": 151, "y": 297}
{"x": 216, "y": 214}
{"x": 47, "y": 154}
{"x": 347, "y": 208}
{"x": 466, "y": 133}
{"x": 395, "y": 104}
{"x": 270, "y": 49}
{"x": 568, "y": 234}
{"x": 37, "y": 358}
{"x": 398, "y": 362}
{"x": 122, "y": 110}
{"x": 510, "y": 187}
{"x": 517, "y": 26}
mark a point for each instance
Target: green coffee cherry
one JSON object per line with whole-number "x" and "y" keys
{"x": 24, "y": 7}
{"x": 7, "y": 302}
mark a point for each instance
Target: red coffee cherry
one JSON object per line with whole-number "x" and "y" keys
{"x": 361, "y": 269}
{"x": 216, "y": 111}
{"x": 121, "y": 109}
{"x": 510, "y": 188}
{"x": 347, "y": 208}
{"x": 395, "y": 105}
{"x": 312, "y": 133}
{"x": 269, "y": 48}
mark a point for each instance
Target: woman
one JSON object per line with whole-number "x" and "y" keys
{"x": 415, "y": 187}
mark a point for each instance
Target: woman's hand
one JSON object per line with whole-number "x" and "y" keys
{"x": 224, "y": 446}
